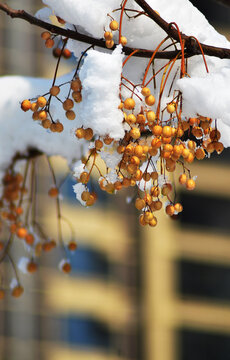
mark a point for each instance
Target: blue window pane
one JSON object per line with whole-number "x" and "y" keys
{"x": 86, "y": 261}
{"x": 85, "y": 331}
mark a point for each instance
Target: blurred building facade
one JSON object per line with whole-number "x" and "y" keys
{"x": 135, "y": 293}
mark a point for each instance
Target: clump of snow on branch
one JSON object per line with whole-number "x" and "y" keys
{"x": 200, "y": 97}
{"x": 20, "y": 133}
{"x": 100, "y": 76}
{"x": 80, "y": 13}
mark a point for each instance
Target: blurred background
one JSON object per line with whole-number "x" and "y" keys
{"x": 134, "y": 293}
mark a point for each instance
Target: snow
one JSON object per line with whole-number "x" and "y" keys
{"x": 78, "y": 189}
{"x": 100, "y": 76}
{"x": 19, "y": 131}
{"x": 44, "y": 14}
{"x": 23, "y": 264}
{"x": 200, "y": 96}
{"x": 90, "y": 12}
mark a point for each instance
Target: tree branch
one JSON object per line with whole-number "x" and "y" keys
{"x": 191, "y": 46}
{"x": 22, "y": 14}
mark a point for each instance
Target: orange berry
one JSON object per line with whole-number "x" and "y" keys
{"x": 148, "y": 216}
{"x": 153, "y": 222}
{"x": 185, "y": 153}
{"x": 170, "y": 210}
{"x": 57, "y": 52}
{"x": 178, "y": 207}
{"x": 182, "y": 179}
{"x": 76, "y": 95}
{"x": 26, "y": 105}
{"x": 157, "y": 130}
{"x": 200, "y": 154}
{"x": 21, "y": 232}
{"x": 66, "y": 53}
{"x": 49, "y": 43}
{"x": 2, "y": 294}
{"x": 114, "y": 25}
{"x": 70, "y": 114}
{"x": 42, "y": 115}
{"x": 45, "y": 35}
{"x": 59, "y": 127}
{"x": 145, "y": 91}
{"x": 80, "y": 133}
{"x": 138, "y": 151}
{"x": 54, "y": 90}
{"x": 157, "y": 205}
{"x": 88, "y": 134}
{"x": 109, "y": 44}
{"x": 166, "y": 189}
{"x": 154, "y": 175}
{"x": 150, "y": 100}
{"x": 190, "y": 158}
{"x": 190, "y": 184}
{"x": 35, "y": 115}
{"x": 29, "y": 239}
{"x": 17, "y": 291}
{"x": 53, "y": 192}
{"x": 135, "y": 133}
{"x": 155, "y": 191}
{"x": 108, "y": 35}
{"x": 34, "y": 107}
{"x": 142, "y": 220}
{"x": 68, "y": 104}
{"x": 135, "y": 160}
{"x": 46, "y": 123}
{"x": 32, "y": 267}
{"x": 98, "y": 144}
{"x": 141, "y": 118}
{"x": 76, "y": 85}
{"x": 85, "y": 195}
{"x": 129, "y": 104}
{"x": 131, "y": 119}
{"x": 218, "y": 146}
{"x": 72, "y": 246}
{"x": 150, "y": 116}
{"x": 66, "y": 267}
{"x": 19, "y": 210}
{"x": 153, "y": 151}
{"x": 123, "y": 40}
{"x": 215, "y": 135}
{"x": 171, "y": 107}
{"x": 84, "y": 177}
{"x": 107, "y": 140}
{"x": 41, "y": 101}
{"x": 166, "y": 131}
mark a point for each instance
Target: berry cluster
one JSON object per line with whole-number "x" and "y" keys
{"x": 18, "y": 217}
{"x": 150, "y": 151}
{"x": 40, "y": 106}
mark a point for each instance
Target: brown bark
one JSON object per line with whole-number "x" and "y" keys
{"x": 191, "y": 46}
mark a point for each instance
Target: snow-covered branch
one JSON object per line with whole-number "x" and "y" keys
{"x": 191, "y": 46}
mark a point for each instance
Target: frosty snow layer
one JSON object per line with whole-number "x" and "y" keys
{"x": 18, "y": 130}
{"x": 209, "y": 96}
{"x": 100, "y": 76}
{"x": 89, "y": 14}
